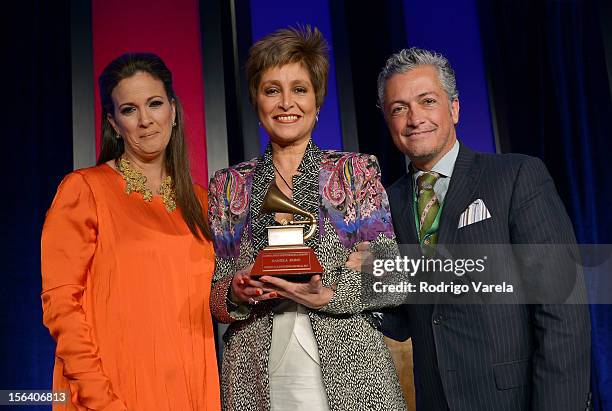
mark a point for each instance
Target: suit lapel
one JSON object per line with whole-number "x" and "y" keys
{"x": 262, "y": 178}
{"x": 459, "y": 195}
{"x": 402, "y": 204}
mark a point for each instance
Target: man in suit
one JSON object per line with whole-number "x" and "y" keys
{"x": 488, "y": 356}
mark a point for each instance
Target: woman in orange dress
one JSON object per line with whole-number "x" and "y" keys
{"x": 127, "y": 261}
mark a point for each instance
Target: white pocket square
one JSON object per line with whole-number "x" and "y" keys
{"x": 477, "y": 211}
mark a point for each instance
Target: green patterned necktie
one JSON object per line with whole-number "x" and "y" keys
{"x": 427, "y": 206}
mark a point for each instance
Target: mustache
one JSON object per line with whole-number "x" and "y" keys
{"x": 408, "y": 132}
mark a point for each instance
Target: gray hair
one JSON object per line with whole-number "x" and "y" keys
{"x": 408, "y": 59}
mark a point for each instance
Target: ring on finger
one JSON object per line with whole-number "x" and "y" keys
{"x": 253, "y": 301}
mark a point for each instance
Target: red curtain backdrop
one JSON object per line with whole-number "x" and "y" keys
{"x": 170, "y": 30}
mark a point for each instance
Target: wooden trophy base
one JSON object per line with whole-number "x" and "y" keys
{"x": 296, "y": 263}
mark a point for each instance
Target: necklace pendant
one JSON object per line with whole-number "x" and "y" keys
{"x": 136, "y": 182}
{"x": 168, "y": 194}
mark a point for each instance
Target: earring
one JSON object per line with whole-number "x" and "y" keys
{"x": 317, "y": 116}
{"x": 259, "y": 123}
{"x": 118, "y": 136}
{"x": 173, "y": 123}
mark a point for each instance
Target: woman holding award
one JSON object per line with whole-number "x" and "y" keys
{"x": 310, "y": 345}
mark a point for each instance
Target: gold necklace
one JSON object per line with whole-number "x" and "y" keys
{"x": 136, "y": 182}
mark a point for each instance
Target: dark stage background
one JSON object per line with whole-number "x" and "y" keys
{"x": 544, "y": 90}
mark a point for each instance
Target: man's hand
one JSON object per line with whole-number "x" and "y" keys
{"x": 362, "y": 259}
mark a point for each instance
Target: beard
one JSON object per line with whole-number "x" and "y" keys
{"x": 424, "y": 153}
{"x": 424, "y": 157}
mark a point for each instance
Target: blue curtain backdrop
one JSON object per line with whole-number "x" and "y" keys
{"x": 373, "y": 33}
{"x": 551, "y": 94}
{"x": 37, "y": 138}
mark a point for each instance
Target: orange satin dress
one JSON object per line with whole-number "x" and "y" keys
{"x": 126, "y": 296}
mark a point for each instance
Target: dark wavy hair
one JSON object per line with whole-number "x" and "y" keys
{"x": 177, "y": 157}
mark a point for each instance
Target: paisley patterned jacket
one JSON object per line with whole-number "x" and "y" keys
{"x": 344, "y": 190}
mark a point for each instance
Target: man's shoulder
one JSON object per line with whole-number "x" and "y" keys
{"x": 510, "y": 173}
{"x": 505, "y": 159}
{"x": 496, "y": 164}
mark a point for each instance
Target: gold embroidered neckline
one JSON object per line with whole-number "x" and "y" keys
{"x": 137, "y": 182}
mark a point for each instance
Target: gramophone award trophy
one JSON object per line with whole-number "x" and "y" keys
{"x": 286, "y": 255}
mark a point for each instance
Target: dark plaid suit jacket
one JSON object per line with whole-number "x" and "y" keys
{"x": 496, "y": 357}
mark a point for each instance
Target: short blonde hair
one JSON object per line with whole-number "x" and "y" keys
{"x": 300, "y": 44}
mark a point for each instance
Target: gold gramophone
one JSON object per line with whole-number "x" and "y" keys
{"x": 286, "y": 255}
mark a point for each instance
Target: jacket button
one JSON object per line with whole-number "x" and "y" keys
{"x": 438, "y": 319}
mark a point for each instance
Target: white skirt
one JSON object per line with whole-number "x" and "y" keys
{"x": 296, "y": 382}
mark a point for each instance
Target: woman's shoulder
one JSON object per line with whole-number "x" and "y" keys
{"x": 242, "y": 169}
{"x": 94, "y": 182}
{"x": 97, "y": 170}
{"x": 86, "y": 176}
{"x": 339, "y": 158}
{"x": 83, "y": 186}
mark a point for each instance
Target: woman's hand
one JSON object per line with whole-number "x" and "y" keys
{"x": 362, "y": 259}
{"x": 245, "y": 290}
{"x": 311, "y": 294}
